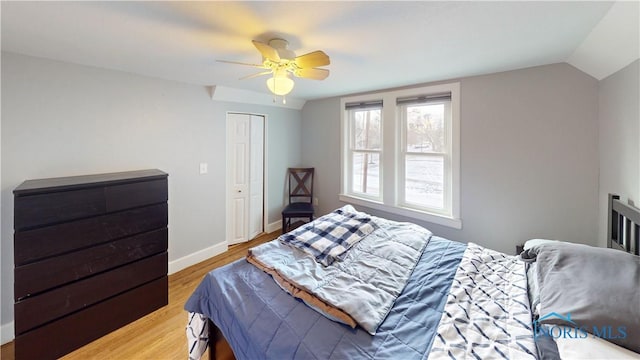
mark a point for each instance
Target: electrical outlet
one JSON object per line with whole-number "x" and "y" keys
{"x": 315, "y": 201}
{"x": 203, "y": 168}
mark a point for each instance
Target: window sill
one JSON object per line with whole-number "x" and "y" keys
{"x": 414, "y": 214}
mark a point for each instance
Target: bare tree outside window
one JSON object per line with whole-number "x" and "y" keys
{"x": 367, "y": 126}
{"x": 424, "y": 155}
{"x": 425, "y": 128}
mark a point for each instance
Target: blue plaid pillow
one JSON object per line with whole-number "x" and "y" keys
{"x": 330, "y": 236}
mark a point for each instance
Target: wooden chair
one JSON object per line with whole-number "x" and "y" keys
{"x": 300, "y": 196}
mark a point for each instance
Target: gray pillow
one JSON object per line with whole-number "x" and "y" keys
{"x": 598, "y": 287}
{"x": 533, "y": 289}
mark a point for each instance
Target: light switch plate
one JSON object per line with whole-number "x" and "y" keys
{"x": 203, "y": 168}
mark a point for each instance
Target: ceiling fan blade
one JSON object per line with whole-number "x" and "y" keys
{"x": 256, "y": 75}
{"x": 267, "y": 51}
{"x": 314, "y": 74}
{"x": 241, "y": 63}
{"x": 312, "y": 59}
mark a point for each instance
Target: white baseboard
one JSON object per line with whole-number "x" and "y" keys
{"x": 6, "y": 333}
{"x": 198, "y": 256}
{"x": 273, "y": 226}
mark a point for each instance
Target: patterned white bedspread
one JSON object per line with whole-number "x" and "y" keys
{"x": 487, "y": 314}
{"x": 197, "y": 335}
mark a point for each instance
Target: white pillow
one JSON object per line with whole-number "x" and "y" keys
{"x": 533, "y": 242}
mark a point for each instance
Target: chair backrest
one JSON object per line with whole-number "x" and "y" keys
{"x": 301, "y": 184}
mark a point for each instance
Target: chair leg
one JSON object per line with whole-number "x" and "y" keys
{"x": 284, "y": 225}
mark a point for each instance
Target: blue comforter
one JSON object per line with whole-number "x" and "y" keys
{"x": 260, "y": 320}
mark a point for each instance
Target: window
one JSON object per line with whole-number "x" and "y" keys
{"x": 365, "y": 147}
{"x": 425, "y": 148}
{"x": 401, "y": 152}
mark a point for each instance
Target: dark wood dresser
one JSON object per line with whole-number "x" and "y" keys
{"x": 90, "y": 256}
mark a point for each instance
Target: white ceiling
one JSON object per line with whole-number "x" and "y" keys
{"x": 372, "y": 45}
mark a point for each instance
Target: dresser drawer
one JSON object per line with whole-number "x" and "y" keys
{"x": 37, "y": 277}
{"x": 36, "y": 244}
{"x": 45, "y": 209}
{"x": 51, "y": 305}
{"x": 53, "y": 340}
{"x": 127, "y": 196}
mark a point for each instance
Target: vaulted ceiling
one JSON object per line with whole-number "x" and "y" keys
{"x": 372, "y": 45}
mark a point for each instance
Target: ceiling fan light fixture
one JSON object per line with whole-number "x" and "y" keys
{"x": 280, "y": 84}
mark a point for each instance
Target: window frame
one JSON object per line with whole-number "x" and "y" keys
{"x": 351, "y": 150}
{"x": 445, "y": 155}
{"x": 392, "y": 157}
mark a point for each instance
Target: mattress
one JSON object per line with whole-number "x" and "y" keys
{"x": 260, "y": 320}
{"x": 461, "y": 301}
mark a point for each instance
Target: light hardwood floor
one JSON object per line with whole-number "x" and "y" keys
{"x": 161, "y": 334}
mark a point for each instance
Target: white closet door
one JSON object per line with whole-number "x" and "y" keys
{"x": 240, "y": 136}
{"x": 245, "y": 137}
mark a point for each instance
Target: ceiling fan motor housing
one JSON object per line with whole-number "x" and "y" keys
{"x": 281, "y": 46}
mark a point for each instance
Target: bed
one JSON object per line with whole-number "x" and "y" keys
{"x": 458, "y": 301}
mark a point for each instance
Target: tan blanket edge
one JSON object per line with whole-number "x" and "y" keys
{"x": 302, "y": 294}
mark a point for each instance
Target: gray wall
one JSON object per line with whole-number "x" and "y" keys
{"x": 528, "y": 157}
{"x": 619, "y": 140}
{"x": 61, "y": 119}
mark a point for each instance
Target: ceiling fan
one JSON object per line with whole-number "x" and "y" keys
{"x": 280, "y": 62}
